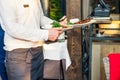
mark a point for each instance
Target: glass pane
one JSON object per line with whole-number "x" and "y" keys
{"x": 54, "y": 9}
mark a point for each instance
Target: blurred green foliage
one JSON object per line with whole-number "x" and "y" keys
{"x": 55, "y": 10}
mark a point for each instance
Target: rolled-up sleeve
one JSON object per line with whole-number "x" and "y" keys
{"x": 46, "y": 22}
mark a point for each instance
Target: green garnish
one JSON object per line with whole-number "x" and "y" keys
{"x": 55, "y": 24}
{"x": 69, "y": 23}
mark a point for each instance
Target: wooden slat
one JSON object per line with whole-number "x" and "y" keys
{"x": 99, "y": 51}
{"x": 105, "y": 51}
{"x": 73, "y": 10}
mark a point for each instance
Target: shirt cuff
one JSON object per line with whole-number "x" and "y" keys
{"x": 47, "y": 27}
{"x": 46, "y": 35}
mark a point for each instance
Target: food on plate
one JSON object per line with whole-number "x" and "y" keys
{"x": 69, "y": 23}
{"x": 83, "y": 21}
{"x": 55, "y": 24}
{"x": 74, "y": 20}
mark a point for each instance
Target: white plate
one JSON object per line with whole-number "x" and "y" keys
{"x": 84, "y": 24}
{"x": 76, "y": 25}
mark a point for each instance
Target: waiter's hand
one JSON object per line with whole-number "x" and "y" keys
{"x": 54, "y": 34}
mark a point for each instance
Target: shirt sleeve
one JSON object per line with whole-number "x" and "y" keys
{"x": 45, "y": 21}
{"x": 18, "y": 30}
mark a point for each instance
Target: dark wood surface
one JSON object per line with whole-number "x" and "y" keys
{"x": 73, "y": 10}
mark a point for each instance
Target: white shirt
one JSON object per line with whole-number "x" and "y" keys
{"x": 21, "y": 21}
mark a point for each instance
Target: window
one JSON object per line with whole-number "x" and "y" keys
{"x": 54, "y": 9}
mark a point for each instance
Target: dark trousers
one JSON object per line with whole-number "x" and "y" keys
{"x": 25, "y": 64}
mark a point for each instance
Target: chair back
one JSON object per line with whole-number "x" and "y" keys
{"x": 106, "y": 67}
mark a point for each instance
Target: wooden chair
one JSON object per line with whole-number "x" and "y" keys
{"x": 107, "y": 67}
{"x": 112, "y": 66}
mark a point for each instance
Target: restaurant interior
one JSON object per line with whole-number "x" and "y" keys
{"x": 89, "y": 47}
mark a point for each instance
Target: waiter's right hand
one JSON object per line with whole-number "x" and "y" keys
{"x": 54, "y": 34}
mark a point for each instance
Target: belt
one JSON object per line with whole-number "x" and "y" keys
{"x": 39, "y": 43}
